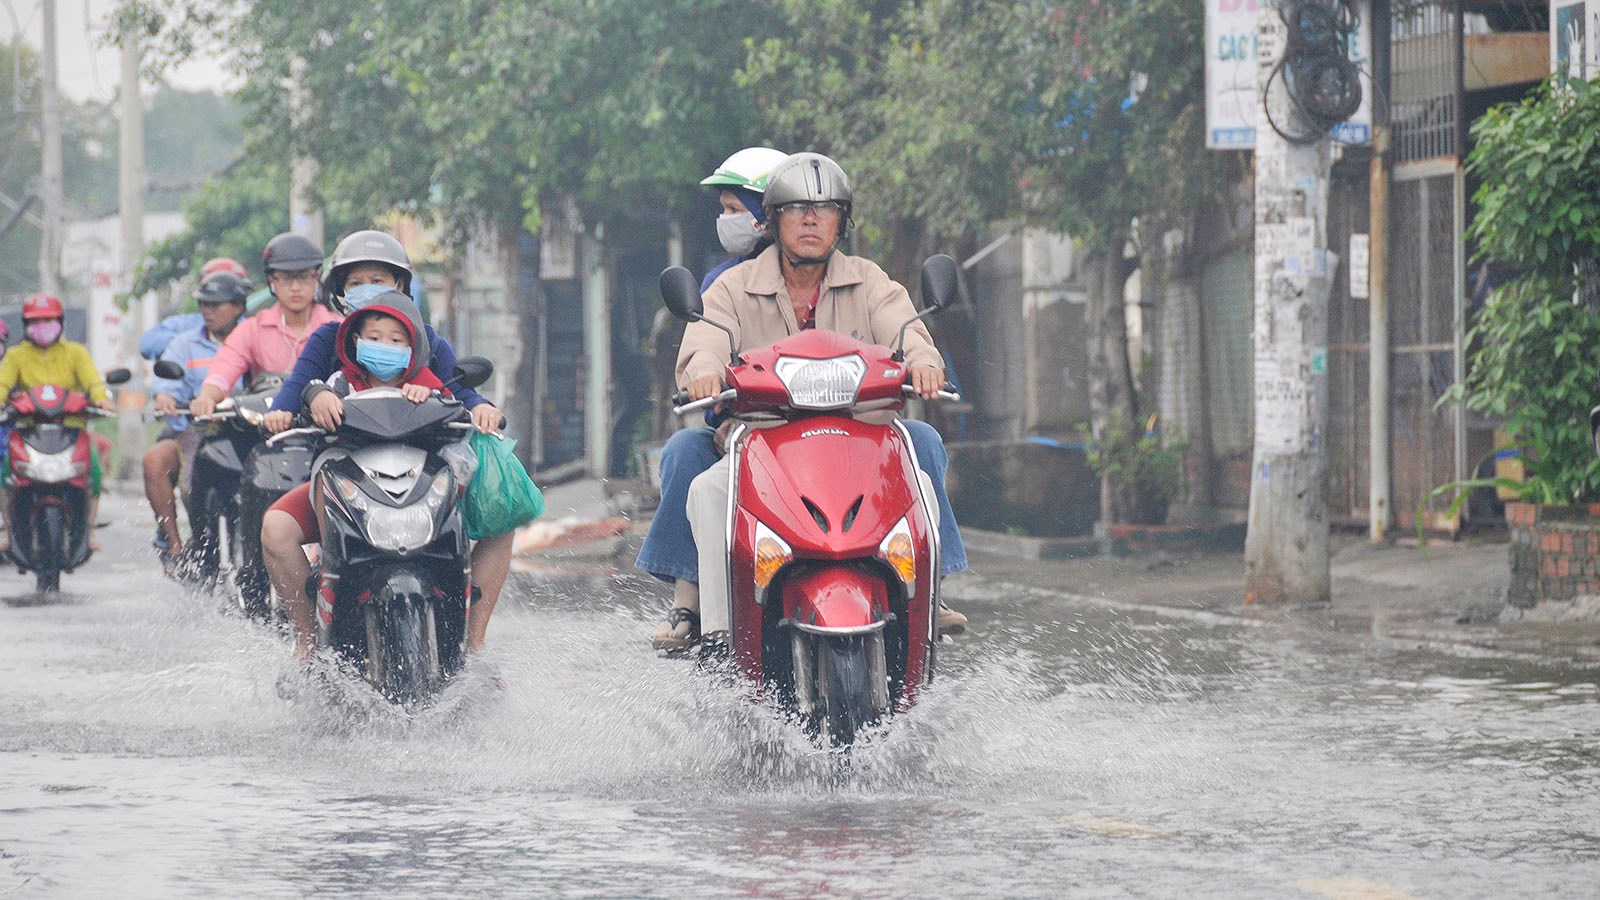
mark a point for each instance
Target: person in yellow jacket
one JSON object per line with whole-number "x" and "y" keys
{"x": 47, "y": 358}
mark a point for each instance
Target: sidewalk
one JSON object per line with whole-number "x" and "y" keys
{"x": 1449, "y": 593}
{"x": 1444, "y": 593}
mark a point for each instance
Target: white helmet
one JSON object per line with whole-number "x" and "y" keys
{"x": 748, "y": 169}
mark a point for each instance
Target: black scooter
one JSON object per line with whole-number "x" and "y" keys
{"x": 236, "y": 477}
{"x": 394, "y": 579}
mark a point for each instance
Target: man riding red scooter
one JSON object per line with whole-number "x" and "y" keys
{"x": 819, "y": 557}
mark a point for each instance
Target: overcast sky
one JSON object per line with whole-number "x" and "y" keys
{"x": 86, "y": 71}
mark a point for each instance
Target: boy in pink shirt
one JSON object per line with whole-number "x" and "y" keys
{"x": 271, "y": 340}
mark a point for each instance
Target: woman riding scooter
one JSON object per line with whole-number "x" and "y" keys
{"x": 48, "y": 358}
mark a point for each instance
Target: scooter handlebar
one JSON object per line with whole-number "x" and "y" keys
{"x": 295, "y": 432}
{"x": 945, "y": 393}
{"x": 724, "y": 397}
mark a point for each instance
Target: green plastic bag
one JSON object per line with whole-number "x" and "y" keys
{"x": 501, "y": 496}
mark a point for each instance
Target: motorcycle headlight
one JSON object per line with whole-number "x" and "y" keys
{"x": 821, "y": 383}
{"x": 251, "y": 416}
{"x": 50, "y": 467}
{"x": 771, "y": 555}
{"x": 900, "y": 553}
{"x": 400, "y": 530}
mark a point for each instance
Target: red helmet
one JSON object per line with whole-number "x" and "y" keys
{"x": 41, "y": 306}
{"x": 224, "y": 264}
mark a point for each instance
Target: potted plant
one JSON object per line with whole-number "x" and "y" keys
{"x": 1142, "y": 475}
{"x": 1535, "y": 362}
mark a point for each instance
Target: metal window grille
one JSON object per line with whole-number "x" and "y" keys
{"x": 1425, "y": 72}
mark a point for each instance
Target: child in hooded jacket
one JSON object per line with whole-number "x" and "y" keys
{"x": 380, "y": 345}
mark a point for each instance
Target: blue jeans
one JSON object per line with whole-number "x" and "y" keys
{"x": 668, "y": 551}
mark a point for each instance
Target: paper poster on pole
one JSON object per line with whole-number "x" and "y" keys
{"x": 1232, "y": 97}
{"x": 1360, "y": 266}
{"x": 1575, "y": 38}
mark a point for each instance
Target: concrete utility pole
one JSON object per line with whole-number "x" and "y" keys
{"x": 1379, "y": 412}
{"x": 597, "y": 353}
{"x": 1286, "y": 547}
{"x": 50, "y": 187}
{"x": 130, "y": 192}
{"x": 305, "y": 217}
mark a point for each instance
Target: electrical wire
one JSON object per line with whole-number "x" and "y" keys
{"x": 1322, "y": 83}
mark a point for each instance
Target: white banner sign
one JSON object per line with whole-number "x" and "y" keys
{"x": 1232, "y": 98}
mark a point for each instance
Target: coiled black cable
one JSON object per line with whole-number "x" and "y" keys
{"x": 1323, "y": 84}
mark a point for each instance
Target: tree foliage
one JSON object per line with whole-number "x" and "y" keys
{"x": 481, "y": 112}
{"x": 1536, "y": 360}
{"x": 949, "y": 114}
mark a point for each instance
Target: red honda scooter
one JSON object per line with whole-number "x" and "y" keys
{"x": 834, "y": 558}
{"x": 50, "y": 480}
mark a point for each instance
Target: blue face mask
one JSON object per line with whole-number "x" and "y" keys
{"x": 386, "y": 362}
{"x": 363, "y": 294}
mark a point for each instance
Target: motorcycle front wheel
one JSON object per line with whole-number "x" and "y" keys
{"x": 851, "y": 686}
{"x": 402, "y": 650}
{"x": 50, "y": 548}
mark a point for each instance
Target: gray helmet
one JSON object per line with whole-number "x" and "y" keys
{"x": 222, "y": 287}
{"x": 366, "y": 247}
{"x": 808, "y": 177}
{"x": 290, "y": 252}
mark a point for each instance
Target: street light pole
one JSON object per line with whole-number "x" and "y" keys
{"x": 131, "y": 436}
{"x": 50, "y": 187}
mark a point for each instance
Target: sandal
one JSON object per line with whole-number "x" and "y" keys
{"x": 667, "y": 636}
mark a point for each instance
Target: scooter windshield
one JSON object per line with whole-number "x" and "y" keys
{"x": 384, "y": 414}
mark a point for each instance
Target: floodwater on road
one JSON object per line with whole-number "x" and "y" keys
{"x": 146, "y": 750}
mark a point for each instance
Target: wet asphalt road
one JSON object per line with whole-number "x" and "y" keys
{"x": 146, "y": 751}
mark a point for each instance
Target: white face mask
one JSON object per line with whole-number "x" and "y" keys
{"x": 737, "y": 232}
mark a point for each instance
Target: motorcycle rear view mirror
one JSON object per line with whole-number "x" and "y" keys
{"x": 939, "y": 284}
{"x": 939, "y": 290}
{"x": 165, "y": 368}
{"x": 681, "y": 294}
{"x": 122, "y": 376}
{"x": 472, "y": 371}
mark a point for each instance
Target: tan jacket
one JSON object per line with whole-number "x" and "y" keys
{"x": 857, "y": 298}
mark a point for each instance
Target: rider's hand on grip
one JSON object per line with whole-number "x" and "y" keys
{"x": 166, "y": 405}
{"x": 925, "y": 380}
{"x": 487, "y": 419}
{"x": 704, "y": 386}
{"x": 327, "y": 410}
{"x": 202, "y": 406}
{"x": 277, "y": 420}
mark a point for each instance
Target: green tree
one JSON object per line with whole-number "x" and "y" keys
{"x": 1536, "y": 361}
{"x": 481, "y": 112}
{"x": 1084, "y": 117}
